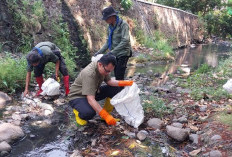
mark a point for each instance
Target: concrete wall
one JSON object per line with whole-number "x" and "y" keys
{"x": 181, "y": 26}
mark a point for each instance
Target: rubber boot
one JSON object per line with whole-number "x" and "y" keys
{"x": 40, "y": 81}
{"x": 108, "y": 107}
{"x": 78, "y": 119}
{"x": 66, "y": 84}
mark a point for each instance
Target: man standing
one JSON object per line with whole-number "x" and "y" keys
{"x": 118, "y": 42}
{"x": 40, "y": 55}
{"x": 87, "y": 90}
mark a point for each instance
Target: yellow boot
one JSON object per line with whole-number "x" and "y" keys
{"x": 78, "y": 119}
{"x": 108, "y": 107}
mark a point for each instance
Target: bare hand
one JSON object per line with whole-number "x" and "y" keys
{"x": 25, "y": 92}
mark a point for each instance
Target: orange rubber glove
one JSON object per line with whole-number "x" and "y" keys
{"x": 107, "y": 117}
{"x": 125, "y": 83}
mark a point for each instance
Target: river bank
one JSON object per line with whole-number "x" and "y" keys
{"x": 179, "y": 120}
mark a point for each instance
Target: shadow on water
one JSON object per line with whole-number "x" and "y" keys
{"x": 187, "y": 59}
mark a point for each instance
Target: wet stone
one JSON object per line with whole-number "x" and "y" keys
{"x": 178, "y": 125}
{"x": 177, "y": 133}
{"x": 194, "y": 138}
{"x": 215, "y": 153}
{"x": 155, "y": 123}
{"x": 142, "y": 135}
{"x": 203, "y": 108}
{"x": 183, "y": 119}
{"x": 4, "y": 153}
{"x": 216, "y": 138}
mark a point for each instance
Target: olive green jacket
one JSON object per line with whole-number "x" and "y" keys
{"x": 121, "y": 45}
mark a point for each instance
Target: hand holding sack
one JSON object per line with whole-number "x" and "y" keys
{"x": 107, "y": 117}
{"x": 125, "y": 83}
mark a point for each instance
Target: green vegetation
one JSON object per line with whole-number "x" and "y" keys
{"x": 29, "y": 17}
{"x": 225, "y": 118}
{"x": 156, "y": 106}
{"x": 207, "y": 82}
{"x": 160, "y": 45}
{"x": 126, "y": 4}
{"x": 67, "y": 49}
{"x": 12, "y": 73}
{"x": 141, "y": 58}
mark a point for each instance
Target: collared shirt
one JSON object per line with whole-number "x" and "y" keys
{"x": 120, "y": 41}
{"x": 47, "y": 49}
{"x": 88, "y": 82}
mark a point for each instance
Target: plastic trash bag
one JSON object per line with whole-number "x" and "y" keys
{"x": 96, "y": 58}
{"x": 50, "y": 87}
{"x": 127, "y": 104}
{"x": 228, "y": 86}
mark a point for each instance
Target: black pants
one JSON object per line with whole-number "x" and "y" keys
{"x": 38, "y": 70}
{"x": 120, "y": 68}
{"x": 85, "y": 110}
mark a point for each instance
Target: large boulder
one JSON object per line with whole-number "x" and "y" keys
{"x": 10, "y": 132}
{"x": 4, "y": 99}
{"x": 177, "y": 133}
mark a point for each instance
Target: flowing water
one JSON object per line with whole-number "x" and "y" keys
{"x": 50, "y": 142}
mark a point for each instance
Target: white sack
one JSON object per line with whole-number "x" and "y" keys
{"x": 228, "y": 86}
{"x": 96, "y": 58}
{"x": 50, "y": 87}
{"x": 127, "y": 104}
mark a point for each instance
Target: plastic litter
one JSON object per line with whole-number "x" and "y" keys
{"x": 50, "y": 87}
{"x": 96, "y": 58}
{"x": 127, "y": 104}
{"x": 228, "y": 86}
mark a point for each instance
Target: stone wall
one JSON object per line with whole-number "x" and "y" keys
{"x": 182, "y": 27}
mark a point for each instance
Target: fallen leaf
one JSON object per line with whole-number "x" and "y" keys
{"x": 195, "y": 152}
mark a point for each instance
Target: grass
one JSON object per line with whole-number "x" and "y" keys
{"x": 162, "y": 49}
{"x": 156, "y": 106}
{"x": 208, "y": 82}
{"x": 141, "y": 58}
{"x": 12, "y": 73}
{"x": 225, "y": 118}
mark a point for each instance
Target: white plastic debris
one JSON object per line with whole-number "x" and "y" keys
{"x": 127, "y": 104}
{"x": 50, "y": 87}
{"x": 228, "y": 86}
{"x": 96, "y": 58}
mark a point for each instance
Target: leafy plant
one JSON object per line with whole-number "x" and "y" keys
{"x": 68, "y": 50}
{"x": 208, "y": 82}
{"x": 126, "y": 4}
{"x": 12, "y": 73}
{"x": 156, "y": 106}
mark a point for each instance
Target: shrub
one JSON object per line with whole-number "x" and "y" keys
{"x": 156, "y": 106}
{"x": 126, "y": 4}
{"x": 12, "y": 73}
